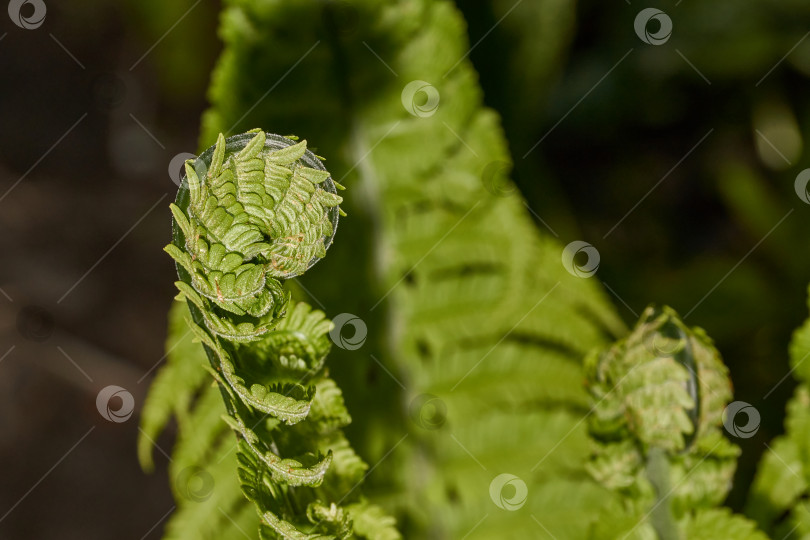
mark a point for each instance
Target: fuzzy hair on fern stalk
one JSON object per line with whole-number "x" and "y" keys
{"x": 252, "y": 211}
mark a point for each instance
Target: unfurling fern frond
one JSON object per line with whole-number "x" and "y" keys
{"x": 656, "y": 424}
{"x": 254, "y": 210}
{"x": 258, "y": 210}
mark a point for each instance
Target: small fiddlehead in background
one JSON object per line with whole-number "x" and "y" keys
{"x": 252, "y": 211}
{"x": 656, "y": 423}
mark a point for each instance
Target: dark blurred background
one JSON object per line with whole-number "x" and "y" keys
{"x": 94, "y": 104}
{"x": 676, "y": 161}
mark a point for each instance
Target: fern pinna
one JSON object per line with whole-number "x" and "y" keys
{"x": 253, "y": 210}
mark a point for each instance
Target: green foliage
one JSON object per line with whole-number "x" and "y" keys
{"x": 253, "y": 211}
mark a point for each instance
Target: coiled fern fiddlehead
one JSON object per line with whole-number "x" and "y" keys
{"x": 252, "y": 211}
{"x": 656, "y": 423}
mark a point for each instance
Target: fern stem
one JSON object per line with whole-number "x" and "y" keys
{"x": 657, "y": 469}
